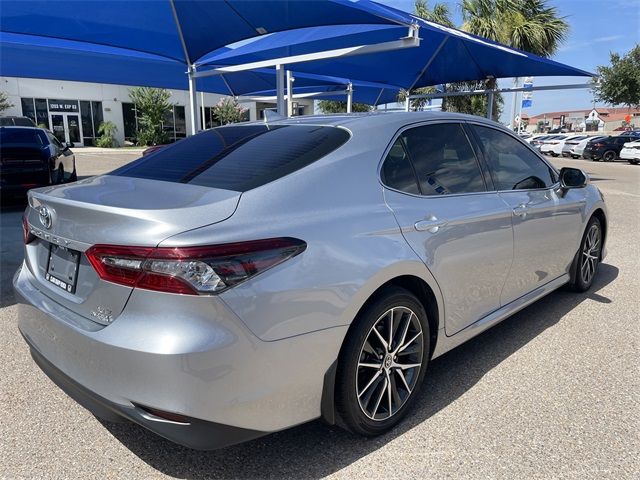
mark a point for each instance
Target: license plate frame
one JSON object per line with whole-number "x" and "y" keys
{"x": 62, "y": 267}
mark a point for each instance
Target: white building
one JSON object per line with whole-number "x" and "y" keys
{"x": 74, "y": 110}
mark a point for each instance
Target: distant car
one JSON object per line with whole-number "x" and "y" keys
{"x": 568, "y": 143}
{"x": 535, "y": 142}
{"x": 558, "y": 130}
{"x": 607, "y": 148}
{"x": 631, "y": 152}
{"x": 553, "y": 144}
{"x": 14, "y": 121}
{"x": 32, "y": 157}
{"x": 576, "y": 151}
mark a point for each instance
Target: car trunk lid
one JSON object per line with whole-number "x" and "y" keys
{"x": 109, "y": 210}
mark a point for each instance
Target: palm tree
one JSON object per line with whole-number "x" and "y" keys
{"x": 529, "y": 25}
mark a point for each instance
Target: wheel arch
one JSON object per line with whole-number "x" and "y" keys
{"x": 600, "y": 215}
{"x": 427, "y": 297}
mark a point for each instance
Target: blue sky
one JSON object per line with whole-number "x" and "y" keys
{"x": 597, "y": 27}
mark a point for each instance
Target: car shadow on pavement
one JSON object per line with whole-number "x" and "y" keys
{"x": 314, "y": 450}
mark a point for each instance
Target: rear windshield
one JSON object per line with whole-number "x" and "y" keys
{"x": 238, "y": 157}
{"x": 12, "y": 136}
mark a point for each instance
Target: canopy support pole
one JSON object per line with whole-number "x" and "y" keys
{"x": 490, "y": 104}
{"x": 280, "y": 104}
{"x": 194, "y": 118}
{"x": 407, "y": 101}
{"x": 290, "y": 80}
{"x": 349, "y": 97}
{"x": 203, "y": 120}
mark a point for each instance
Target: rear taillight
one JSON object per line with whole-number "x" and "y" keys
{"x": 191, "y": 270}
{"x": 27, "y": 236}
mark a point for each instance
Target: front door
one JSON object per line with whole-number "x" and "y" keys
{"x": 461, "y": 231}
{"x": 546, "y": 223}
{"x": 66, "y": 127}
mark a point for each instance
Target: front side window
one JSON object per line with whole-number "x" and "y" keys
{"x": 512, "y": 164}
{"x": 444, "y": 160}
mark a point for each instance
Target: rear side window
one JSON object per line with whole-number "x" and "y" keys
{"x": 397, "y": 171}
{"x": 13, "y": 136}
{"x": 513, "y": 165}
{"x": 444, "y": 160}
{"x": 238, "y": 157}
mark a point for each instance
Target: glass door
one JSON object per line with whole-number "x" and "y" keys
{"x": 73, "y": 129}
{"x": 57, "y": 126}
{"x": 66, "y": 127}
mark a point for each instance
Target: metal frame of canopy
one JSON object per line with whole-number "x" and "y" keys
{"x": 411, "y": 40}
{"x": 491, "y": 92}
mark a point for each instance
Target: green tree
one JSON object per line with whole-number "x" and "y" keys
{"x": 4, "y": 102}
{"x": 619, "y": 82}
{"x": 334, "y": 106}
{"x": 107, "y": 131}
{"x": 228, "y": 111}
{"x": 151, "y": 105}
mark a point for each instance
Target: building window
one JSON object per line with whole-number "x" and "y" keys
{"x": 28, "y": 108}
{"x": 42, "y": 113}
{"x": 40, "y": 110}
{"x": 130, "y": 121}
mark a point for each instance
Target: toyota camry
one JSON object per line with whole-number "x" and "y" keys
{"x": 257, "y": 276}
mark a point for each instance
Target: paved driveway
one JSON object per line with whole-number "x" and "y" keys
{"x": 552, "y": 392}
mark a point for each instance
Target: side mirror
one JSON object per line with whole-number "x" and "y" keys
{"x": 573, "y": 178}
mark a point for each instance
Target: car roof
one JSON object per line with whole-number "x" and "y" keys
{"x": 22, "y": 127}
{"x": 355, "y": 121}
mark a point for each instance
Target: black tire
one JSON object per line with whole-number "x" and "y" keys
{"x": 579, "y": 281}
{"x": 364, "y": 345}
{"x": 634, "y": 162}
{"x": 74, "y": 176}
{"x": 609, "y": 156}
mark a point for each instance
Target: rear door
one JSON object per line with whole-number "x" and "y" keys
{"x": 546, "y": 222}
{"x": 435, "y": 186}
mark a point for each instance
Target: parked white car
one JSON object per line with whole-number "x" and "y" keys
{"x": 577, "y": 150}
{"x": 551, "y": 145}
{"x": 631, "y": 152}
{"x": 569, "y": 143}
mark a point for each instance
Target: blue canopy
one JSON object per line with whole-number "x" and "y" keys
{"x": 38, "y": 57}
{"x": 154, "y": 27}
{"x": 445, "y": 55}
{"x": 153, "y": 43}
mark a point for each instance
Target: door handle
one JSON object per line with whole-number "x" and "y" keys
{"x": 431, "y": 225}
{"x": 521, "y": 210}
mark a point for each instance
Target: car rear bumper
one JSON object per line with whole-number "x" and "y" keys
{"x": 196, "y": 434}
{"x": 206, "y": 366}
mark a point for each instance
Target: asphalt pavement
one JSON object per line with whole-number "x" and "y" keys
{"x": 553, "y": 392}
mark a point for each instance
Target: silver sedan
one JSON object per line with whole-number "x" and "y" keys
{"x": 257, "y": 276}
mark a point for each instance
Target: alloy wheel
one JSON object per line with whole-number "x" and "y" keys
{"x": 389, "y": 363}
{"x": 590, "y": 254}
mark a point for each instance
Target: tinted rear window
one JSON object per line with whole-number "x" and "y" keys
{"x": 12, "y": 136}
{"x": 238, "y": 157}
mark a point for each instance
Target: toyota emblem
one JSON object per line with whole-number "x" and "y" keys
{"x": 46, "y": 218}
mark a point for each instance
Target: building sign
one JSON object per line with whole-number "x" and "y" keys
{"x": 527, "y": 97}
{"x": 63, "y": 105}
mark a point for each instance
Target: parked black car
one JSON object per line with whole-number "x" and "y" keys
{"x": 607, "y": 149}
{"x": 12, "y": 120}
{"x": 32, "y": 157}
